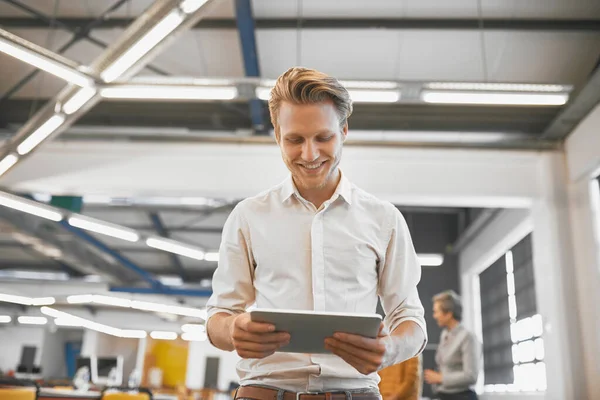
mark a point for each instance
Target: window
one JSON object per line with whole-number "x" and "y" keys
{"x": 513, "y": 347}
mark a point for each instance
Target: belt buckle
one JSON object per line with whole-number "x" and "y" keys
{"x": 298, "y": 394}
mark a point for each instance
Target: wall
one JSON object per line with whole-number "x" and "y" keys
{"x": 102, "y": 345}
{"x": 53, "y": 354}
{"x": 198, "y": 351}
{"x": 12, "y": 338}
{"x": 446, "y": 177}
{"x": 583, "y": 161}
{"x": 558, "y": 291}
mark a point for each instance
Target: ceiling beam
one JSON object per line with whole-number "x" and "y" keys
{"x": 576, "y": 109}
{"x": 82, "y": 31}
{"x": 246, "y": 29}
{"x": 159, "y": 226}
{"x": 507, "y": 24}
{"x": 73, "y": 253}
{"x": 200, "y": 115}
{"x": 122, "y": 260}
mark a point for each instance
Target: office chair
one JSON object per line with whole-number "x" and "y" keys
{"x": 18, "y": 389}
{"x": 125, "y": 393}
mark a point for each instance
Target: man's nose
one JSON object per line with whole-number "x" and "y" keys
{"x": 310, "y": 151}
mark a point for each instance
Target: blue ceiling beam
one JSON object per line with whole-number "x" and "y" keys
{"x": 159, "y": 226}
{"x": 125, "y": 262}
{"x": 246, "y": 29}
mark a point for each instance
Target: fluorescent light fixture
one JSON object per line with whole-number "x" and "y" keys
{"x": 175, "y": 247}
{"x": 170, "y": 92}
{"x": 9, "y": 298}
{"x": 5, "y": 319}
{"x": 168, "y": 309}
{"x": 263, "y": 93}
{"x": 93, "y": 278}
{"x": 78, "y": 100}
{"x": 211, "y": 256}
{"x": 28, "y": 206}
{"x": 508, "y": 87}
{"x": 43, "y": 301}
{"x": 194, "y": 337}
{"x": 146, "y": 43}
{"x": 170, "y": 280}
{"x": 80, "y": 299}
{"x": 369, "y": 84}
{"x": 360, "y": 92}
{"x": 42, "y": 197}
{"x": 35, "y": 275}
{"x": 32, "y": 320}
{"x": 97, "y": 199}
{"x": 95, "y": 326}
{"x": 104, "y": 228}
{"x": 45, "y": 63}
{"x": 435, "y": 136}
{"x": 7, "y": 163}
{"x": 524, "y": 99}
{"x": 374, "y": 96}
{"x": 190, "y": 6}
{"x": 41, "y": 133}
{"x": 111, "y": 301}
{"x": 133, "y": 333}
{"x": 431, "y": 260}
{"x": 193, "y": 328}
{"x": 162, "y": 335}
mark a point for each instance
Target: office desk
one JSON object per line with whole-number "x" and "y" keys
{"x": 60, "y": 394}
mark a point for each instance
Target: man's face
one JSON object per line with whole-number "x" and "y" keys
{"x": 311, "y": 140}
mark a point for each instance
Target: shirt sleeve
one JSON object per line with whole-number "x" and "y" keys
{"x": 466, "y": 376}
{"x": 399, "y": 274}
{"x": 233, "y": 289}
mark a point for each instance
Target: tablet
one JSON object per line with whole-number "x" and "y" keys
{"x": 308, "y": 329}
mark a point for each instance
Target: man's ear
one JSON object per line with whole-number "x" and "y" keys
{"x": 344, "y": 132}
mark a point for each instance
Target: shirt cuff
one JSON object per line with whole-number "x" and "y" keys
{"x": 420, "y": 323}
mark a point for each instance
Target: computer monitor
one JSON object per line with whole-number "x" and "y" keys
{"x": 27, "y": 359}
{"x": 83, "y": 362}
{"x": 102, "y": 368}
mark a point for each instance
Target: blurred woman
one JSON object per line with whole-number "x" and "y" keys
{"x": 458, "y": 354}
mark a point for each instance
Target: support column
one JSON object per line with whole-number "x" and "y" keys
{"x": 556, "y": 286}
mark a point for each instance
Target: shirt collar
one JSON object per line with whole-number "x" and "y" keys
{"x": 344, "y": 189}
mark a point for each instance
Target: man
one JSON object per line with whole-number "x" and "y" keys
{"x": 314, "y": 242}
{"x": 401, "y": 381}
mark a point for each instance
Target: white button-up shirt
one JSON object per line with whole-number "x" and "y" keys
{"x": 279, "y": 251}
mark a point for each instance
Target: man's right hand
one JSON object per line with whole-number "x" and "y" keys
{"x": 255, "y": 339}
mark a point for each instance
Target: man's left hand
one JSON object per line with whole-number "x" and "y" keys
{"x": 366, "y": 355}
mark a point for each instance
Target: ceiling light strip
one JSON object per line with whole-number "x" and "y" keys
{"x": 23, "y": 50}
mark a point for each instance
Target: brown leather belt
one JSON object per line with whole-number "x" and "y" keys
{"x": 262, "y": 393}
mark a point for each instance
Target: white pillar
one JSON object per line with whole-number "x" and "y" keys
{"x": 584, "y": 200}
{"x": 556, "y": 289}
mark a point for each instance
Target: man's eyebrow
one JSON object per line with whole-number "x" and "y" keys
{"x": 325, "y": 131}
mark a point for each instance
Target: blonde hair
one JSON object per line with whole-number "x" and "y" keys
{"x": 300, "y": 85}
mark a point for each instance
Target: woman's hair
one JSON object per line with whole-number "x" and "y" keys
{"x": 308, "y": 86}
{"x": 449, "y": 301}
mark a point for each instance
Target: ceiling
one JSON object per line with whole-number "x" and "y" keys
{"x": 538, "y": 41}
{"x": 408, "y": 41}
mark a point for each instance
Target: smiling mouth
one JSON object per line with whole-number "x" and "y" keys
{"x": 313, "y": 166}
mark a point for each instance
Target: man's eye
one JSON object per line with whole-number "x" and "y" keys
{"x": 295, "y": 141}
{"x": 325, "y": 139}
